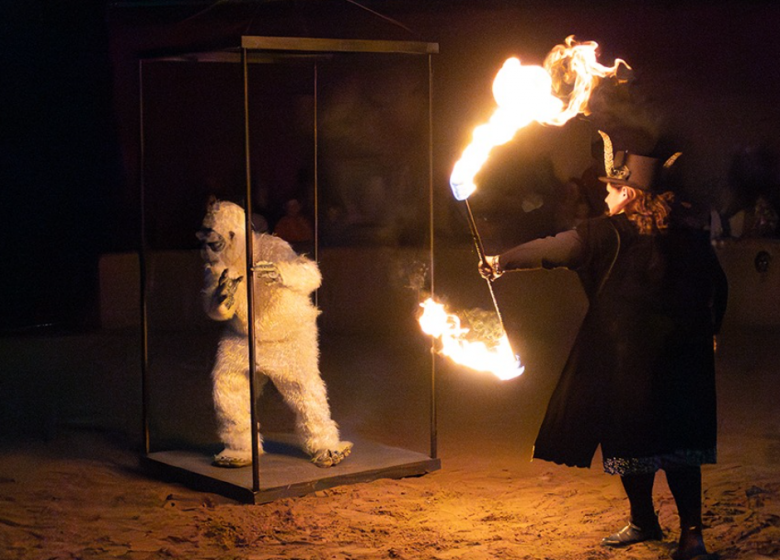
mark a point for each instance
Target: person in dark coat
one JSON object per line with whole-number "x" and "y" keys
{"x": 640, "y": 378}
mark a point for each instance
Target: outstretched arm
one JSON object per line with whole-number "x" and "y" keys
{"x": 563, "y": 250}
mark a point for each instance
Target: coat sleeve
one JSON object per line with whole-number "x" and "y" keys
{"x": 720, "y": 292}
{"x": 565, "y": 249}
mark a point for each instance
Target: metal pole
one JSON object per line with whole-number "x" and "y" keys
{"x": 250, "y": 285}
{"x": 315, "y": 133}
{"x": 482, "y": 259}
{"x": 142, "y": 271}
{"x": 434, "y": 411}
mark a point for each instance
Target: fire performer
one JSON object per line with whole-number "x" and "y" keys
{"x": 640, "y": 378}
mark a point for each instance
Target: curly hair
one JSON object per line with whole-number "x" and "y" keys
{"x": 650, "y": 212}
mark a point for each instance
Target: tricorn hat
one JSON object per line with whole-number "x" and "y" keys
{"x": 632, "y": 170}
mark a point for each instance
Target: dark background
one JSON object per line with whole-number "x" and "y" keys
{"x": 705, "y": 80}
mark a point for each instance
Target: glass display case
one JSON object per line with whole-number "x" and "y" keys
{"x": 334, "y": 137}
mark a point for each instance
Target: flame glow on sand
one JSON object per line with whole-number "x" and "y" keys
{"x": 525, "y": 94}
{"x": 487, "y": 351}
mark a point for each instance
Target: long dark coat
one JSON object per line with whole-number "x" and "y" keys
{"x": 640, "y": 378}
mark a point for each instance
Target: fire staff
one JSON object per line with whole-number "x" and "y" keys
{"x": 640, "y": 378}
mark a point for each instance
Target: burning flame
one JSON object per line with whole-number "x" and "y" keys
{"x": 494, "y": 356}
{"x": 525, "y": 94}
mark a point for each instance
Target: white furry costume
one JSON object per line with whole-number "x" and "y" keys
{"x": 287, "y": 348}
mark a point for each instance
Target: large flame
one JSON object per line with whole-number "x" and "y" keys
{"x": 525, "y": 94}
{"x": 488, "y": 351}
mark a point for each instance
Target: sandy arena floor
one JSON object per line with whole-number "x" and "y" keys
{"x": 75, "y": 490}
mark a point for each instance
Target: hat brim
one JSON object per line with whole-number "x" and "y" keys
{"x": 624, "y": 183}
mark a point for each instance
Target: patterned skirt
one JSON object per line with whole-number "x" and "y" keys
{"x": 667, "y": 461}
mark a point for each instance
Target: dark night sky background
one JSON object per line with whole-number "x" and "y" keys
{"x": 706, "y": 80}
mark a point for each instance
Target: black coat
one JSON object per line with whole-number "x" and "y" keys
{"x": 640, "y": 378}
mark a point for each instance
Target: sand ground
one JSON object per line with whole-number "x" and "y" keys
{"x": 77, "y": 492}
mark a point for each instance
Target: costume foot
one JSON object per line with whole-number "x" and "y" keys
{"x": 330, "y": 457}
{"x": 631, "y": 534}
{"x": 232, "y": 459}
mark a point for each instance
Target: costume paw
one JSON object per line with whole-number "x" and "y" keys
{"x": 331, "y": 457}
{"x": 232, "y": 459}
{"x": 226, "y": 289}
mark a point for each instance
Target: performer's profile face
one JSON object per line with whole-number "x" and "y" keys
{"x": 616, "y": 199}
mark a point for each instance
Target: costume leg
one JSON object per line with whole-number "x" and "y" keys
{"x": 230, "y": 378}
{"x": 293, "y": 368}
{"x": 685, "y": 484}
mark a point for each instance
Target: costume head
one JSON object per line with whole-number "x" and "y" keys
{"x": 222, "y": 233}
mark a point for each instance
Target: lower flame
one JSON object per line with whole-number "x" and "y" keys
{"x": 484, "y": 348}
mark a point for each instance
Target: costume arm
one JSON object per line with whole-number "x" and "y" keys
{"x": 565, "y": 249}
{"x": 299, "y": 274}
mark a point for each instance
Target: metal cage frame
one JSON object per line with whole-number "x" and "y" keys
{"x": 180, "y": 465}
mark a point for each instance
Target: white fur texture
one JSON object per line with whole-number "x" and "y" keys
{"x": 287, "y": 349}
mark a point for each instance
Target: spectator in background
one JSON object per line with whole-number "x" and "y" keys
{"x": 294, "y": 227}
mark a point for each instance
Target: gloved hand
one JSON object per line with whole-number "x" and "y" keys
{"x": 489, "y": 268}
{"x": 226, "y": 289}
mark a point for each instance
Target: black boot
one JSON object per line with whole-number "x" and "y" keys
{"x": 643, "y": 525}
{"x": 633, "y": 533}
{"x": 685, "y": 484}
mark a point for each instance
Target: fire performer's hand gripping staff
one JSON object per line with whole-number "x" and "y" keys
{"x": 525, "y": 94}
